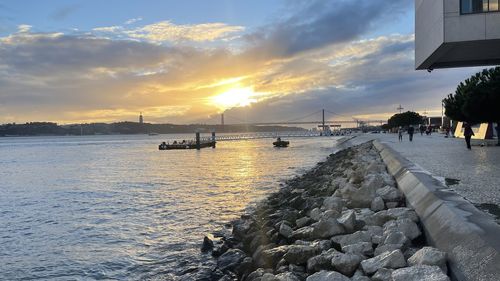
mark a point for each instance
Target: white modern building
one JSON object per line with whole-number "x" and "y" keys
{"x": 456, "y": 33}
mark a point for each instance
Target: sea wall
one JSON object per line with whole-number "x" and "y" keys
{"x": 343, "y": 220}
{"x": 470, "y": 238}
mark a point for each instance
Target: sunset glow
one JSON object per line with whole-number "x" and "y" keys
{"x": 236, "y": 97}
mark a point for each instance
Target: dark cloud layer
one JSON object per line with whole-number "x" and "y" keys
{"x": 323, "y": 23}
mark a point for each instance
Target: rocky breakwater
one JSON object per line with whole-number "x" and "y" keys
{"x": 343, "y": 220}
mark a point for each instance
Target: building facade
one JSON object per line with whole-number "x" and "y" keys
{"x": 456, "y": 33}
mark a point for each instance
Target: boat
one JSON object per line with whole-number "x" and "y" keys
{"x": 153, "y": 134}
{"x": 281, "y": 143}
{"x": 185, "y": 145}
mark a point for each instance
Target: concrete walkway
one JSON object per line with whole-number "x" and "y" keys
{"x": 474, "y": 174}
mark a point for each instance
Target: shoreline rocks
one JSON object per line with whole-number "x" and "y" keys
{"x": 345, "y": 219}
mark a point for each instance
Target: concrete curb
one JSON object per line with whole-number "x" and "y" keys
{"x": 451, "y": 224}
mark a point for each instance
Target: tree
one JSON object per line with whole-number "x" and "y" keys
{"x": 405, "y": 119}
{"x": 477, "y": 99}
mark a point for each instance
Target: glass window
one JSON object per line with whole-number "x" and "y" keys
{"x": 493, "y": 5}
{"x": 479, "y": 6}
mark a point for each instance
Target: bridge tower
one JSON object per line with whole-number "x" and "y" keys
{"x": 323, "y": 122}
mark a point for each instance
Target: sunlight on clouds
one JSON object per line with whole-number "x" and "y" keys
{"x": 167, "y": 31}
{"x": 235, "y": 97}
{"x": 23, "y": 28}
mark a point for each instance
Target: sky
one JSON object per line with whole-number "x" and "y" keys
{"x": 189, "y": 61}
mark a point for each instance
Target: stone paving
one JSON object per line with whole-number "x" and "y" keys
{"x": 474, "y": 174}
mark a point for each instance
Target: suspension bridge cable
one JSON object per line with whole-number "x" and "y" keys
{"x": 303, "y": 117}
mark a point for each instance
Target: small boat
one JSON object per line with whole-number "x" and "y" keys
{"x": 153, "y": 134}
{"x": 281, "y": 143}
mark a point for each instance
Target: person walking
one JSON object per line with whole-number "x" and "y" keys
{"x": 400, "y": 133}
{"x": 411, "y": 131}
{"x": 468, "y": 133}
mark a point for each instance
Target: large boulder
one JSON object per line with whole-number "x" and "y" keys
{"x": 345, "y": 263}
{"x": 429, "y": 256}
{"x": 321, "y": 262}
{"x": 269, "y": 258}
{"x": 377, "y": 204}
{"x": 419, "y": 273}
{"x": 299, "y": 254}
{"x": 390, "y": 194}
{"x": 383, "y": 274}
{"x": 333, "y": 203}
{"x": 406, "y": 226}
{"x": 348, "y": 220}
{"x": 394, "y": 260}
{"x": 327, "y": 228}
{"x": 286, "y": 230}
{"x": 327, "y": 276}
{"x": 305, "y": 233}
{"x": 361, "y": 249}
{"x": 230, "y": 259}
{"x": 349, "y": 239}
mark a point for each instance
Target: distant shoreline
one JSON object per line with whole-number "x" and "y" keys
{"x": 34, "y": 129}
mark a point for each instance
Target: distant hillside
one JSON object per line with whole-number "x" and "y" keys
{"x": 53, "y": 129}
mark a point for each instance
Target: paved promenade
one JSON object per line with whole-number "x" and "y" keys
{"x": 473, "y": 174}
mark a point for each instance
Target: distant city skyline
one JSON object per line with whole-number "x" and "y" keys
{"x": 188, "y": 61}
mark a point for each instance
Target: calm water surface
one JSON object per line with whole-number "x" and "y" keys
{"x": 116, "y": 208}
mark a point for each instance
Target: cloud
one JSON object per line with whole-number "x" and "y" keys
{"x": 166, "y": 31}
{"x": 323, "y": 23}
{"x": 23, "y": 28}
{"x": 317, "y": 56}
{"x": 134, "y": 20}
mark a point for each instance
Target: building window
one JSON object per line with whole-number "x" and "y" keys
{"x": 479, "y": 6}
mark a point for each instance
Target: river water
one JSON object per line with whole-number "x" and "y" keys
{"x": 116, "y": 208}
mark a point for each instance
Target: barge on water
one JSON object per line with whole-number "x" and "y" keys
{"x": 198, "y": 143}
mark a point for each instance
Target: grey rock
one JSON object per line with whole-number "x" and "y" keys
{"x": 387, "y": 247}
{"x": 315, "y": 214}
{"x": 396, "y": 237}
{"x": 305, "y": 232}
{"x": 348, "y": 220}
{"x": 269, "y": 258}
{"x": 327, "y": 228}
{"x": 360, "y": 278}
{"x": 394, "y": 259}
{"x": 349, "y": 239}
{"x": 230, "y": 259}
{"x": 288, "y": 276}
{"x": 403, "y": 213}
{"x": 429, "y": 256}
{"x": 333, "y": 203}
{"x": 392, "y": 205}
{"x": 390, "y": 194}
{"x": 321, "y": 262}
{"x": 298, "y": 254}
{"x": 383, "y": 274}
{"x": 328, "y": 214}
{"x": 207, "y": 245}
{"x": 361, "y": 248}
{"x": 406, "y": 226}
{"x": 378, "y": 218}
{"x": 327, "y": 276}
{"x": 256, "y": 274}
{"x": 345, "y": 263}
{"x": 419, "y": 273}
{"x": 377, "y": 204}
{"x": 268, "y": 277}
{"x": 302, "y": 222}
{"x": 286, "y": 230}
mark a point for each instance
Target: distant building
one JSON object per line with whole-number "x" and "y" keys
{"x": 456, "y": 33}
{"x": 141, "y": 119}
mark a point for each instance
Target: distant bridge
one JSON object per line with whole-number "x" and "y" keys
{"x": 323, "y": 124}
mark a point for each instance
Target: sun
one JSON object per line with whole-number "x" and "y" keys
{"x": 235, "y": 97}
